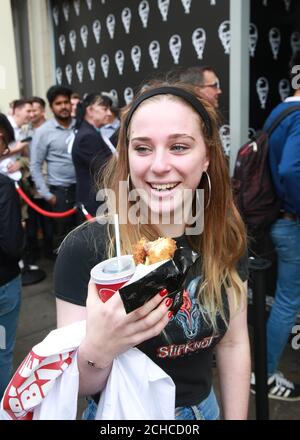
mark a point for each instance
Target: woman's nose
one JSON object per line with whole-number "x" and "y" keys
{"x": 160, "y": 163}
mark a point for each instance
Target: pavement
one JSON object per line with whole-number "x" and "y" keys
{"x": 37, "y": 319}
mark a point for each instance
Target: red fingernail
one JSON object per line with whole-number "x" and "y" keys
{"x": 170, "y": 314}
{"x": 163, "y": 292}
{"x": 168, "y": 302}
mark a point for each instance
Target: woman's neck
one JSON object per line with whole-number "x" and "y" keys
{"x": 171, "y": 230}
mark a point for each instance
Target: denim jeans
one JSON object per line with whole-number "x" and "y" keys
{"x": 286, "y": 237}
{"x": 10, "y": 299}
{"x": 208, "y": 409}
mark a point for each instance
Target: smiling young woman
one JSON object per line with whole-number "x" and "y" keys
{"x": 168, "y": 143}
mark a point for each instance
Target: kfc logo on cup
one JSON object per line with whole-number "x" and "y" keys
{"x": 109, "y": 277}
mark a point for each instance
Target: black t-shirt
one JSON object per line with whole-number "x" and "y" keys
{"x": 185, "y": 349}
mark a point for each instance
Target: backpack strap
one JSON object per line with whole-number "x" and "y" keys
{"x": 281, "y": 117}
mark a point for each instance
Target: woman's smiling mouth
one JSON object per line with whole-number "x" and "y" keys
{"x": 163, "y": 186}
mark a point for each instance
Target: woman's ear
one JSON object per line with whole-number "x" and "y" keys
{"x": 206, "y": 164}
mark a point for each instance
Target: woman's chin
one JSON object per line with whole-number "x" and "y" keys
{"x": 160, "y": 213}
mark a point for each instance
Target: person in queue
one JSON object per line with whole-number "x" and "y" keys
{"x": 168, "y": 143}
{"x": 89, "y": 151}
{"x": 11, "y": 245}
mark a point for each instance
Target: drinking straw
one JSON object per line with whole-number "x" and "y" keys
{"x": 118, "y": 244}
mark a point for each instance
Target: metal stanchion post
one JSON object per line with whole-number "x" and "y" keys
{"x": 257, "y": 267}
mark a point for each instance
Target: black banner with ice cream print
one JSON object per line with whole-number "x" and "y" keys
{"x": 117, "y": 44}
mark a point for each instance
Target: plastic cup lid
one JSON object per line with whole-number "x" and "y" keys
{"x": 108, "y": 270}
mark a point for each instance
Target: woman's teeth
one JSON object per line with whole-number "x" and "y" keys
{"x": 164, "y": 187}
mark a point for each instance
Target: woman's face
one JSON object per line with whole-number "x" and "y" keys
{"x": 167, "y": 153}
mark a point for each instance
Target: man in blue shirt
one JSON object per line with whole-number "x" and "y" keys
{"x": 50, "y": 144}
{"x": 284, "y": 160}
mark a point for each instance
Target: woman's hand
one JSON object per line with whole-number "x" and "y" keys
{"x": 110, "y": 331}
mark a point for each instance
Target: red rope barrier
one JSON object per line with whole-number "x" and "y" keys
{"x": 86, "y": 214}
{"x": 42, "y": 211}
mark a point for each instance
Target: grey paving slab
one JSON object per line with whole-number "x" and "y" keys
{"x": 25, "y": 343}
{"x": 38, "y": 313}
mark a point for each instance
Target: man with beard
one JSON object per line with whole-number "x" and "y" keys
{"x": 50, "y": 144}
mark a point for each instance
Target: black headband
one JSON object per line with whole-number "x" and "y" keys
{"x": 191, "y": 99}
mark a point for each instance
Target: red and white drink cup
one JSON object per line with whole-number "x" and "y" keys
{"x": 110, "y": 275}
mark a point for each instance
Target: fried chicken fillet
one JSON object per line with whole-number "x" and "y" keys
{"x": 150, "y": 252}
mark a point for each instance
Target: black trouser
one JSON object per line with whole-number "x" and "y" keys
{"x": 33, "y": 223}
{"x": 65, "y": 200}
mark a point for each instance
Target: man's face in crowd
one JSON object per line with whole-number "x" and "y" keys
{"x": 38, "y": 113}
{"x": 23, "y": 114}
{"x": 99, "y": 114}
{"x": 210, "y": 88}
{"x": 74, "y": 102}
{"x": 61, "y": 107}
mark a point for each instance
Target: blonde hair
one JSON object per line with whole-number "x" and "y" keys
{"x": 223, "y": 242}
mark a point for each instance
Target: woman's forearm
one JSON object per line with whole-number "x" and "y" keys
{"x": 234, "y": 375}
{"x": 91, "y": 379}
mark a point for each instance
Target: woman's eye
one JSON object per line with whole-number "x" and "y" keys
{"x": 179, "y": 148}
{"x": 142, "y": 149}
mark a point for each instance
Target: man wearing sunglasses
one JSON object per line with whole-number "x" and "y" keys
{"x": 205, "y": 82}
